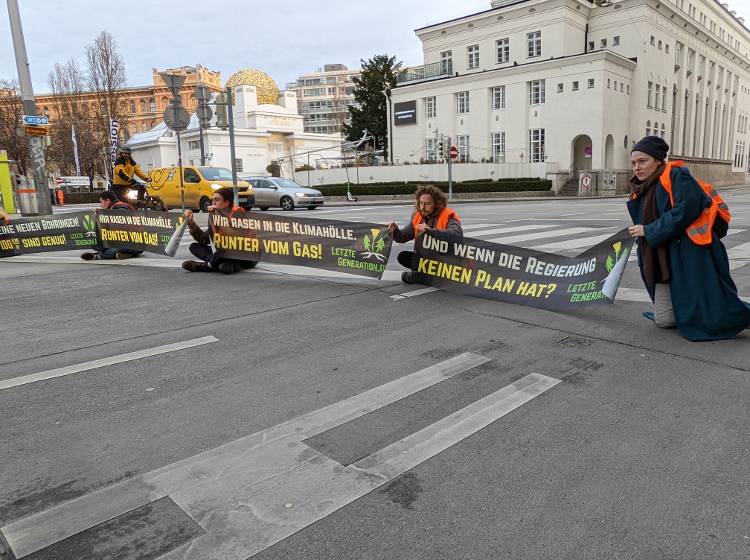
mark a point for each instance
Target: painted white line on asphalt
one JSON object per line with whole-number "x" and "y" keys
{"x": 732, "y": 231}
{"x": 542, "y": 235}
{"x": 512, "y": 229}
{"x": 576, "y": 243}
{"x": 414, "y": 293}
{"x": 640, "y": 295}
{"x": 234, "y": 475}
{"x": 137, "y": 261}
{"x": 86, "y": 366}
{"x": 739, "y": 256}
{"x": 624, "y": 220}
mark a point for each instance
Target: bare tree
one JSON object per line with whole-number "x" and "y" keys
{"x": 68, "y": 84}
{"x": 106, "y": 79}
{"x": 11, "y": 111}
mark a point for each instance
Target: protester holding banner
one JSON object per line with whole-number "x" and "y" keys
{"x": 124, "y": 173}
{"x": 431, "y": 214}
{"x": 683, "y": 263}
{"x": 213, "y": 260}
{"x": 108, "y": 201}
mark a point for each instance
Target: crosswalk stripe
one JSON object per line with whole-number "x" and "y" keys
{"x": 739, "y": 256}
{"x": 514, "y": 229}
{"x": 573, "y": 243}
{"x": 541, "y": 235}
{"x": 95, "y": 364}
{"x": 733, "y": 231}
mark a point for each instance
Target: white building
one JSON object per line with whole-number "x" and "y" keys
{"x": 574, "y": 84}
{"x": 263, "y": 133}
{"x": 324, "y": 97}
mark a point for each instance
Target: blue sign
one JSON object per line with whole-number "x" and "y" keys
{"x": 34, "y": 120}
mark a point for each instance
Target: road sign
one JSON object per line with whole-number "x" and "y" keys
{"x": 202, "y": 93}
{"x": 176, "y": 122}
{"x": 73, "y": 181}
{"x": 454, "y": 152}
{"x": 204, "y": 112}
{"x": 174, "y": 82}
{"x": 35, "y": 130}
{"x": 35, "y": 120}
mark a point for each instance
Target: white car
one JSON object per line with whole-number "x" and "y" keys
{"x": 282, "y": 193}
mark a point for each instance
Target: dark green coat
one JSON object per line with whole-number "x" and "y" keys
{"x": 704, "y": 297}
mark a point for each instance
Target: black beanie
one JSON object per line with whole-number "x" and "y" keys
{"x": 654, "y": 146}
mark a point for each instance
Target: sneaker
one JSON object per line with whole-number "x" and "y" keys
{"x": 195, "y": 266}
{"x": 89, "y": 256}
{"x": 407, "y": 277}
{"x": 121, "y": 255}
{"x": 227, "y": 268}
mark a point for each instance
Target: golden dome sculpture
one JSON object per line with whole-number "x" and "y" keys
{"x": 268, "y": 91}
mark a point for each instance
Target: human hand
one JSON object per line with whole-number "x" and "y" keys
{"x": 421, "y": 228}
{"x": 188, "y": 215}
{"x": 392, "y": 227}
{"x": 636, "y": 231}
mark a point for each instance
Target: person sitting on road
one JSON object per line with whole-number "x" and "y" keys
{"x": 431, "y": 214}
{"x": 210, "y": 260}
{"x": 109, "y": 201}
{"x": 683, "y": 262}
{"x": 124, "y": 173}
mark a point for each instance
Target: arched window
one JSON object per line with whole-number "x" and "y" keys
{"x": 143, "y": 106}
{"x": 648, "y": 128}
{"x": 132, "y": 106}
{"x": 144, "y": 127}
{"x": 663, "y": 130}
{"x": 152, "y": 105}
{"x": 45, "y": 111}
{"x": 656, "y": 128}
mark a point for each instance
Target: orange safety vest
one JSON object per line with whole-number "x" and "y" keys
{"x": 442, "y": 220}
{"x": 700, "y": 231}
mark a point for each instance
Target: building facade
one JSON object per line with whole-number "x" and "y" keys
{"x": 323, "y": 98}
{"x": 264, "y": 132}
{"x": 577, "y": 84}
{"x": 142, "y": 107}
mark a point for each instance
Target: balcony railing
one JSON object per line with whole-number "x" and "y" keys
{"x": 433, "y": 70}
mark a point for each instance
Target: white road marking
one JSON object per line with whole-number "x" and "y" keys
{"x": 732, "y": 231}
{"x": 574, "y": 243}
{"x": 512, "y": 229}
{"x": 739, "y": 256}
{"x": 542, "y": 235}
{"x": 414, "y": 293}
{"x": 86, "y": 366}
{"x": 254, "y": 492}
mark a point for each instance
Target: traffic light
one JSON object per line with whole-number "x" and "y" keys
{"x": 221, "y": 111}
{"x": 441, "y": 147}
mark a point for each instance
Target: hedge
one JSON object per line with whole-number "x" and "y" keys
{"x": 466, "y": 187}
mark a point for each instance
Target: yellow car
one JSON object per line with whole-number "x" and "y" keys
{"x": 200, "y": 184}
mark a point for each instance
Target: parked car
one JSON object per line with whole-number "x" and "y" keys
{"x": 200, "y": 183}
{"x": 283, "y": 193}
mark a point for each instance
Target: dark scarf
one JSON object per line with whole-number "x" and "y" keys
{"x": 655, "y": 260}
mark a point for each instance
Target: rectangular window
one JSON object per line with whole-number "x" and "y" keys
{"x": 429, "y": 107}
{"x": 446, "y": 62}
{"x": 462, "y": 102}
{"x": 431, "y": 149}
{"x": 664, "y": 99}
{"x": 666, "y": 48}
{"x": 238, "y": 164}
{"x": 536, "y": 92}
{"x": 574, "y": 87}
{"x": 653, "y": 41}
{"x": 473, "y": 57}
{"x": 650, "y": 93}
{"x": 659, "y": 45}
{"x": 462, "y": 143}
{"x": 609, "y": 83}
{"x": 194, "y": 145}
{"x": 603, "y": 44}
{"x": 592, "y": 45}
{"x": 498, "y": 97}
{"x": 658, "y": 95}
{"x": 534, "y": 43}
{"x": 536, "y": 145}
{"x": 615, "y": 40}
{"x": 498, "y": 147}
{"x": 560, "y": 88}
{"x": 503, "y": 50}
{"x": 591, "y": 83}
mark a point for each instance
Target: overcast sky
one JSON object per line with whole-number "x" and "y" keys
{"x": 284, "y": 38}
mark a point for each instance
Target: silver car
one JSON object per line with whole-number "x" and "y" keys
{"x": 283, "y": 193}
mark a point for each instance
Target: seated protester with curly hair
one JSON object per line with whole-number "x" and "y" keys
{"x": 213, "y": 260}
{"x": 431, "y": 214}
{"x": 108, "y": 201}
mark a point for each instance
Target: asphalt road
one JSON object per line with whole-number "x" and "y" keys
{"x": 314, "y": 416}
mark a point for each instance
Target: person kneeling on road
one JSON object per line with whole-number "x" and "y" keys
{"x": 213, "y": 260}
{"x": 108, "y": 201}
{"x": 432, "y": 215}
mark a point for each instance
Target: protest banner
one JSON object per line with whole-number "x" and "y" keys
{"x": 145, "y": 230}
{"x": 351, "y": 247}
{"x": 61, "y": 232}
{"x": 524, "y": 276}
